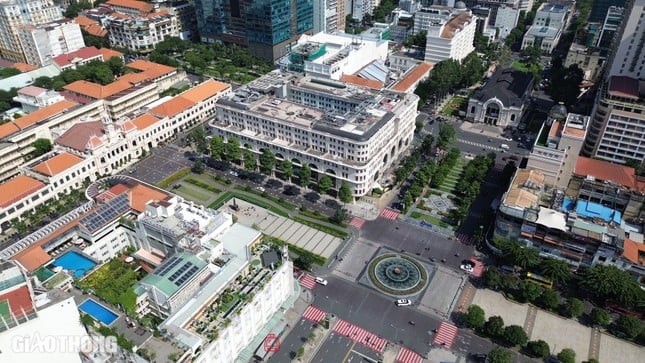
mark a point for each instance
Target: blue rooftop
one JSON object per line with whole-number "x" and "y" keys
{"x": 595, "y": 210}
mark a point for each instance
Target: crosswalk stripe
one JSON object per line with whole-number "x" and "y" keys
{"x": 360, "y": 335}
{"x": 314, "y": 314}
{"x": 408, "y": 356}
{"x": 308, "y": 281}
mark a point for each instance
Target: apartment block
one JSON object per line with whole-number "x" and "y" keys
{"x": 42, "y": 43}
{"x": 350, "y": 133}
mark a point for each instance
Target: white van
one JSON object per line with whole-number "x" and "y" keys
{"x": 505, "y": 147}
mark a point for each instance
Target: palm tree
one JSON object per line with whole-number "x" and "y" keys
{"x": 556, "y": 270}
{"x": 520, "y": 255}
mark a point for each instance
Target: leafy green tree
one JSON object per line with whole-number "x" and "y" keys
{"x": 600, "y": 317}
{"x": 492, "y": 278}
{"x": 250, "y": 163}
{"x": 515, "y": 335}
{"x": 475, "y": 317}
{"x": 549, "y": 300}
{"x": 217, "y": 148}
{"x": 41, "y": 146}
{"x": 9, "y": 72}
{"x": 566, "y": 83}
{"x": 339, "y": 217}
{"x": 198, "y": 138}
{"x": 628, "y": 326}
{"x": 556, "y": 270}
{"x": 116, "y": 65}
{"x": 532, "y": 54}
{"x": 519, "y": 255}
{"x": 198, "y": 167}
{"x": 324, "y": 184}
{"x": 473, "y": 69}
{"x": 417, "y": 40}
{"x": 528, "y": 291}
{"x": 610, "y": 282}
{"x": 574, "y": 308}
{"x": 494, "y": 326}
{"x": 267, "y": 161}
{"x": 500, "y": 355}
{"x": 345, "y": 193}
{"x": 305, "y": 175}
{"x": 304, "y": 262}
{"x": 567, "y": 356}
{"x": 538, "y": 349}
{"x": 287, "y": 169}
{"x": 447, "y": 135}
{"x": 233, "y": 151}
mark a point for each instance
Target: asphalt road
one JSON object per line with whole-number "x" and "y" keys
{"x": 290, "y": 344}
{"x": 338, "y": 348}
{"x": 401, "y": 236}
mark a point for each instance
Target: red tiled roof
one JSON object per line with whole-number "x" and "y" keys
{"x": 634, "y": 251}
{"x": 43, "y": 114}
{"x": 19, "y": 301}
{"x": 32, "y": 91}
{"x": 420, "y": 71}
{"x": 83, "y": 53}
{"x": 144, "y": 121}
{"x": 172, "y": 107}
{"x": 7, "y": 129}
{"x": 57, "y": 164}
{"x": 141, "y": 194}
{"x": 97, "y": 91}
{"x": 359, "y": 81}
{"x": 34, "y": 256}
{"x": 624, "y": 86}
{"x": 91, "y": 26}
{"x": 24, "y": 67}
{"x": 131, "y": 4}
{"x": 17, "y": 188}
{"x": 78, "y": 136}
{"x": 606, "y": 171}
{"x": 205, "y": 91}
{"x": 110, "y": 53}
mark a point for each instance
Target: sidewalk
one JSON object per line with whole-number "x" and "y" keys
{"x": 483, "y": 129}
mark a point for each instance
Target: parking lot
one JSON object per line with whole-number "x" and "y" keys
{"x": 159, "y": 164}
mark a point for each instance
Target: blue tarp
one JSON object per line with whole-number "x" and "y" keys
{"x": 595, "y": 210}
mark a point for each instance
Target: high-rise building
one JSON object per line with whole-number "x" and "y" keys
{"x": 610, "y": 25}
{"x": 549, "y": 24}
{"x": 326, "y": 16}
{"x": 266, "y": 27}
{"x": 41, "y": 43}
{"x": 617, "y": 131}
{"x": 451, "y": 38}
{"x": 600, "y": 7}
{"x": 16, "y": 13}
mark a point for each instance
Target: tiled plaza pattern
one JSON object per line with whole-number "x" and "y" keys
{"x": 360, "y": 335}
{"x": 390, "y": 214}
{"x": 314, "y": 314}
{"x": 445, "y": 336}
{"x": 357, "y": 222}
{"x": 407, "y": 356}
{"x": 308, "y": 281}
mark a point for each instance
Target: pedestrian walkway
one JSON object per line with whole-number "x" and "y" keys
{"x": 408, "y": 356}
{"x": 357, "y": 222}
{"x": 466, "y": 239}
{"x": 445, "y": 336}
{"x": 390, "y": 214}
{"x": 529, "y": 322}
{"x": 478, "y": 270}
{"x": 594, "y": 344}
{"x": 308, "y": 281}
{"x": 360, "y": 335}
{"x": 314, "y": 314}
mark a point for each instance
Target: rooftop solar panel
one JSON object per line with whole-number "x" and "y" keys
{"x": 166, "y": 267}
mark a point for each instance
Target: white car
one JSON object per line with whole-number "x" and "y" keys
{"x": 320, "y": 280}
{"x": 403, "y": 302}
{"x": 260, "y": 189}
{"x": 467, "y": 268}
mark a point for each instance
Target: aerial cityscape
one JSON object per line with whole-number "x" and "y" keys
{"x": 322, "y": 181}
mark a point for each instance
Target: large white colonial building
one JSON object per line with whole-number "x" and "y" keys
{"x": 352, "y": 134}
{"x": 549, "y": 24}
{"x": 451, "y": 38}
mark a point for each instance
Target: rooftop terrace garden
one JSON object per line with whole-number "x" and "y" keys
{"x": 113, "y": 283}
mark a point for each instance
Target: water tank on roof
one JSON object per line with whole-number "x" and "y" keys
{"x": 558, "y": 112}
{"x": 460, "y": 5}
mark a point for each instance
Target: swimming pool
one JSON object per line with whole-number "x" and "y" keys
{"x": 98, "y": 312}
{"x": 75, "y": 262}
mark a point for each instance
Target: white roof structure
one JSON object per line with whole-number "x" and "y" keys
{"x": 25, "y": 79}
{"x": 43, "y": 338}
{"x": 552, "y": 219}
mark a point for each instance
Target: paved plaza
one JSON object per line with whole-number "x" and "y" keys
{"x": 447, "y": 282}
{"x": 562, "y": 333}
{"x": 613, "y": 349}
{"x": 495, "y": 303}
{"x": 295, "y": 233}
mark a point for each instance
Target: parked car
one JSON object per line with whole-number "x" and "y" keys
{"x": 321, "y": 281}
{"x": 403, "y": 302}
{"x": 467, "y": 268}
{"x": 260, "y": 189}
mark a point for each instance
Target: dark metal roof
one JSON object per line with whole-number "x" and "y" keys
{"x": 507, "y": 85}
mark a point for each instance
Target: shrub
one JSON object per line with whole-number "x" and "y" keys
{"x": 538, "y": 349}
{"x": 494, "y": 327}
{"x": 475, "y": 317}
{"x": 567, "y": 356}
{"x": 515, "y": 335}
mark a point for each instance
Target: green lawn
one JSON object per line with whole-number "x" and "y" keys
{"x": 454, "y": 105}
{"x": 197, "y": 196}
{"x": 113, "y": 283}
{"x": 429, "y": 219}
{"x": 520, "y": 66}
